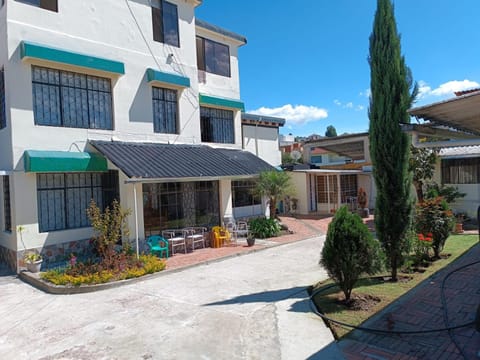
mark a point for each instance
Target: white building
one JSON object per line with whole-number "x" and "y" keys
{"x": 136, "y": 100}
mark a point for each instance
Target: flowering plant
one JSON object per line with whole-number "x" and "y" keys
{"x": 421, "y": 246}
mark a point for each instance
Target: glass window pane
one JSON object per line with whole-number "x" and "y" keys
{"x": 170, "y": 24}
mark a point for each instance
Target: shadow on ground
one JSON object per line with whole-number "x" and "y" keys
{"x": 299, "y": 292}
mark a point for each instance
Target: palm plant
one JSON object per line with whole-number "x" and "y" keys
{"x": 274, "y": 185}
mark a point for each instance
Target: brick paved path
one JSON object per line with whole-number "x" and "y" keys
{"x": 421, "y": 309}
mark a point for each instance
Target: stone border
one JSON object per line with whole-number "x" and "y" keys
{"x": 35, "y": 280}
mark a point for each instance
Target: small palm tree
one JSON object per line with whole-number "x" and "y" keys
{"x": 274, "y": 185}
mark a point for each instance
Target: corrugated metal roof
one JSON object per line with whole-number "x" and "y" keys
{"x": 159, "y": 161}
{"x": 263, "y": 118}
{"x": 205, "y": 25}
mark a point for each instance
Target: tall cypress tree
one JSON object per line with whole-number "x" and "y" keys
{"x": 390, "y": 98}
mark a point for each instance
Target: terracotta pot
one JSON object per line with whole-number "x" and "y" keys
{"x": 459, "y": 228}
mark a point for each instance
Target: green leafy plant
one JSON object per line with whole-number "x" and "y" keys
{"x": 109, "y": 228}
{"x": 32, "y": 257}
{"x": 274, "y": 185}
{"x": 264, "y": 228}
{"x": 449, "y": 193}
{"x": 349, "y": 251}
{"x": 422, "y": 244}
{"x": 434, "y": 216}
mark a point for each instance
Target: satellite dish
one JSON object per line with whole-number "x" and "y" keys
{"x": 295, "y": 154}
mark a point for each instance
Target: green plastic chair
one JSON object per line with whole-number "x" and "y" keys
{"x": 158, "y": 245}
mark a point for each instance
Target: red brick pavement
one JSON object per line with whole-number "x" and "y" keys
{"x": 421, "y": 309}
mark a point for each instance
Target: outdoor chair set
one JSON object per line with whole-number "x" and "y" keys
{"x": 172, "y": 239}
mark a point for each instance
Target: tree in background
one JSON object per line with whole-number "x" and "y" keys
{"x": 274, "y": 185}
{"x": 331, "y": 131}
{"x": 422, "y": 165}
{"x": 390, "y": 98}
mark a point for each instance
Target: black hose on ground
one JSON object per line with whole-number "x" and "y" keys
{"x": 393, "y": 332}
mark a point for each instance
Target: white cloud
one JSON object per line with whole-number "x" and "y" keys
{"x": 360, "y": 108}
{"x": 349, "y": 105}
{"x": 365, "y": 93}
{"x": 298, "y": 114}
{"x": 446, "y": 89}
{"x": 337, "y": 102}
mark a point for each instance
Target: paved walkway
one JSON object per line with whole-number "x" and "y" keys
{"x": 245, "y": 307}
{"x": 421, "y": 309}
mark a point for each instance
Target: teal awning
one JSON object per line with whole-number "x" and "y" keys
{"x": 154, "y": 76}
{"x": 63, "y": 161}
{"x": 42, "y": 52}
{"x": 223, "y": 102}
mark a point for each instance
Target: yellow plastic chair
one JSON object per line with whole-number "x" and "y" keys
{"x": 220, "y": 236}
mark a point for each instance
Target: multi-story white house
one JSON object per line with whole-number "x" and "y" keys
{"x": 135, "y": 100}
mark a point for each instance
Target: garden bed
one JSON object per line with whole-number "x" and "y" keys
{"x": 329, "y": 302}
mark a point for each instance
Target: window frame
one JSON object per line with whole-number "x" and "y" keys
{"x": 460, "y": 170}
{"x": 202, "y": 60}
{"x": 3, "y": 107}
{"x": 246, "y": 187}
{"x": 156, "y": 107}
{"x": 84, "y": 93}
{"x": 7, "y": 205}
{"x": 210, "y": 130}
{"x": 51, "y": 5}
{"x": 108, "y": 189}
{"x": 159, "y": 22}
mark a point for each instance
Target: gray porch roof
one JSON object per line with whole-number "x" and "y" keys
{"x": 148, "y": 161}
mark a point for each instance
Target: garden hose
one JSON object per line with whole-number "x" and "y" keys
{"x": 394, "y": 332}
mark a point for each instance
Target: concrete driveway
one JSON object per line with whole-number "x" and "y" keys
{"x": 247, "y": 307}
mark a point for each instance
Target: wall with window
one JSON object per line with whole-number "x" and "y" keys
{"x": 463, "y": 173}
{"x": 104, "y": 29}
{"x": 217, "y": 79}
{"x": 262, "y": 141}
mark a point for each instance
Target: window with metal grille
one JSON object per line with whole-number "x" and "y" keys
{"x": 164, "y": 110}
{"x": 461, "y": 171}
{"x": 217, "y": 125}
{"x": 243, "y": 193}
{"x": 327, "y": 189}
{"x": 51, "y": 5}
{"x": 213, "y": 57}
{"x": 3, "y": 114}
{"x": 69, "y": 99}
{"x": 7, "y": 214}
{"x": 63, "y": 198}
{"x": 348, "y": 185}
{"x": 165, "y": 22}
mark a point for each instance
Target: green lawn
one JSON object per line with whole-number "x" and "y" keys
{"x": 456, "y": 245}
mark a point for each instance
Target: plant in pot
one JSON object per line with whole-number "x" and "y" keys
{"x": 33, "y": 261}
{"x": 250, "y": 239}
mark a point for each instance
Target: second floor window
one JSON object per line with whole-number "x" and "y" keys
{"x": 213, "y": 57}
{"x": 165, "y": 22}
{"x": 217, "y": 125}
{"x": 164, "y": 110}
{"x": 3, "y": 115}
{"x": 68, "y": 99}
{"x": 44, "y": 4}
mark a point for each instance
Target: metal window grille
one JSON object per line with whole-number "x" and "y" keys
{"x": 63, "y": 198}
{"x": 7, "y": 211}
{"x": 327, "y": 189}
{"x": 68, "y": 99}
{"x": 217, "y": 125}
{"x": 164, "y": 110}
{"x": 3, "y": 114}
{"x": 348, "y": 185}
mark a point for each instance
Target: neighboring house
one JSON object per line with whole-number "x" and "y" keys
{"x": 343, "y": 166}
{"x": 460, "y": 167}
{"x": 134, "y": 100}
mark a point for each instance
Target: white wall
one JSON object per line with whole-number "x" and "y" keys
{"x": 302, "y": 191}
{"x": 263, "y": 142}
{"x": 225, "y": 192}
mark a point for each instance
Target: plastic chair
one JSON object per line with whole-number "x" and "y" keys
{"x": 220, "y": 236}
{"x": 158, "y": 245}
{"x": 196, "y": 235}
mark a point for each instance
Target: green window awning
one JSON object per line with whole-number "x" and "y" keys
{"x": 42, "y": 52}
{"x": 63, "y": 161}
{"x": 155, "y": 76}
{"x": 223, "y": 102}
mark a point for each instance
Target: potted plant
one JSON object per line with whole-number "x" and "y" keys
{"x": 459, "y": 223}
{"x": 250, "y": 239}
{"x": 33, "y": 261}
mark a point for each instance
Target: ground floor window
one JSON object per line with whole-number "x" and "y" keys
{"x": 217, "y": 125}
{"x": 63, "y": 198}
{"x": 326, "y": 189}
{"x": 7, "y": 215}
{"x": 348, "y": 186}
{"x": 243, "y": 193}
{"x": 180, "y": 204}
{"x": 461, "y": 171}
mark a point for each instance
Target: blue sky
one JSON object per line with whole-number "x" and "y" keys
{"x": 306, "y": 60}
